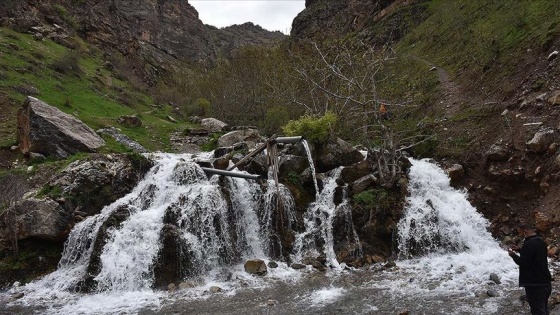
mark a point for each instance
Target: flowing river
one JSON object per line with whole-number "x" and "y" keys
{"x": 446, "y": 254}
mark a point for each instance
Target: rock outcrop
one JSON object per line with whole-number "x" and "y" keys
{"x": 150, "y": 35}
{"x": 47, "y": 130}
{"x": 82, "y": 189}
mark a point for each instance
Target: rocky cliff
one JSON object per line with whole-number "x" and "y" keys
{"x": 150, "y": 35}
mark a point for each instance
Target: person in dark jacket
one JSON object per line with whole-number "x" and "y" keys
{"x": 534, "y": 275}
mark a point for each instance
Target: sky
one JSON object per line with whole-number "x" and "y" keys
{"x": 273, "y": 15}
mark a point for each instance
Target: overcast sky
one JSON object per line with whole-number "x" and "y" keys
{"x": 273, "y": 15}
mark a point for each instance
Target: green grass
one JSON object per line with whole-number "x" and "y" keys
{"x": 88, "y": 91}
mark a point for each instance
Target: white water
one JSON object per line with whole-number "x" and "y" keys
{"x": 458, "y": 251}
{"x": 311, "y": 165}
{"x": 175, "y": 187}
{"x": 318, "y": 221}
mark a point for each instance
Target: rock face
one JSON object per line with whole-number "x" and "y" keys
{"x": 334, "y": 18}
{"x": 150, "y": 34}
{"x": 82, "y": 189}
{"x": 37, "y": 218}
{"x": 47, "y": 130}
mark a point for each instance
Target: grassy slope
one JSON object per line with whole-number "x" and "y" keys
{"x": 487, "y": 48}
{"x": 92, "y": 93}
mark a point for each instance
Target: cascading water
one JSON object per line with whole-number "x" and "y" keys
{"x": 318, "y": 221}
{"x": 444, "y": 242}
{"x": 311, "y": 165}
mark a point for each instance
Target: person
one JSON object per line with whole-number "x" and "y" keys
{"x": 383, "y": 111}
{"x": 534, "y": 275}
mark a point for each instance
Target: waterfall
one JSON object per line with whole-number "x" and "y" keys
{"x": 319, "y": 221}
{"x": 311, "y": 165}
{"x": 443, "y": 239}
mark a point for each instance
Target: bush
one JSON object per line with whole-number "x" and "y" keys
{"x": 316, "y": 130}
{"x": 201, "y": 107}
{"x": 274, "y": 119}
{"x": 68, "y": 63}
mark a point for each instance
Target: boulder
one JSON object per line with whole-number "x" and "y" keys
{"x": 123, "y": 139}
{"x": 250, "y": 136}
{"x": 47, "y": 130}
{"x": 35, "y": 218}
{"x": 498, "y": 152}
{"x": 129, "y": 121}
{"x": 455, "y": 172}
{"x": 297, "y": 266}
{"x": 362, "y": 184}
{"x": 356, "y": 171}
{"x": 541, "y": 140}
{"x": 213, "y": 125}
{"x": 255, "y": 267}
{"x": 292, "y": 164}
{"x": 97, "y": 181}
{"x": 336, "y": 153}
{"x": 554, "y": 98}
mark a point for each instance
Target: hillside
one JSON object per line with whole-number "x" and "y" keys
{"x": 470, "y": 82}
{"x": 497, "y": 70}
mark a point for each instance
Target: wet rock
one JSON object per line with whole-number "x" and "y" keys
{"x": 186, "y": 285}
{"x": 17, "y": 296}
{"x": 215, "y": 289}
{"x": 492, "y": 293}
{"x": 129, "y": 121}
{"x": 377, "y": 259}
{"x": 336, "y": 153}
{"x": 249, "y": 136}
{"x": 271, "y": 303}
{"x": 553, "y": 252}
{"x": 99, "y": 180}
{"x": 455, "y": 172}
{"x": 292, "y": 164}
{"x": 403, "y": 312}
{"x": 541, "y": 140}
{"x": 495, "y": 278}
{"x": 297, "y": 266}
{"x": 213, "y": 124}
{"x": 498, "y": 152}
{"x": 171, "y": 287}
{"x": 123, "y": 139}
{"x": 255, "y": 267}
{"x": 390, "y": 264}
{"x": 272, "y": 264}
{"x": 47, "y": 130}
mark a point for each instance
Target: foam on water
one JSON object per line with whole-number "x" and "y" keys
{"x": 452, "y": 250}
{"x": 325, "y": 296}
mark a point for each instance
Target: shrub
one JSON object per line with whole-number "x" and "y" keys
{"x": 68, "y": 63}
{"x": 201, "y": 107}
{"x": 316, "y": 130}
{"x": 274, "y": 119}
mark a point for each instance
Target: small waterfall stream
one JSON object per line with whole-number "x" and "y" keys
{"x": 206, "y": 225}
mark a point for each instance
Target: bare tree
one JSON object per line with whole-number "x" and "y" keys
{"x": 12, "y": 189}
{"x": 351, "y": 80}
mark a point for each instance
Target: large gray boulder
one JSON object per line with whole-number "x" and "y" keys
{"x": 47, "y": 130}
{"x": 213, "y": 125}
{"x": 123, "y": 139}
{"x": 249, "y": 136}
